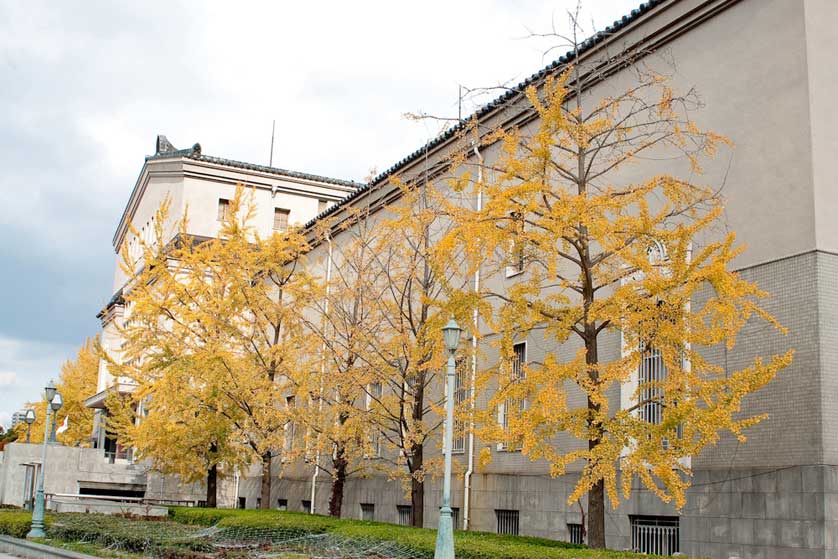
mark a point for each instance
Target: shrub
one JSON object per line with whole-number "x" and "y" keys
{"x": 469, "y": 545}
{"x": 15, "y": 523}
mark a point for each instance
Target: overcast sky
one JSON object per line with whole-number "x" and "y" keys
{"x": 85, "y": 87}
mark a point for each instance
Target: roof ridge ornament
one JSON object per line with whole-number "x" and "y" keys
{"x": 163, "y": 145}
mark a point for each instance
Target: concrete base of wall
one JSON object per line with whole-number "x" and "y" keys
{"x": 62, "y": 504}
{"x": 780, "y": 513}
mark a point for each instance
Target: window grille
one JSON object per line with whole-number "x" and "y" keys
{"x": 405, "y": 515}
{"x": 455, "y": 517}
{"x": 460, "y": 396}
{"x": 658, "y": 535}
{"x": 576, "y": 533}
{"x": 282, "y": 504}
{"x": 201, "y": 504}
{"x": 650, "y": 377}
{"x": 290, "y": 427}
{"x": 514, "y": 405}
{"x": 367, "y": 511}
{"x": 651, "y": 374}
{"x": 306, "y": 506}
{"x": 223, "y": 209}
{"x": 517, "y": 259}
{"x": 281, "y": 219}
{"x": 507, "y": 522}
{"x": 374, "y": 392}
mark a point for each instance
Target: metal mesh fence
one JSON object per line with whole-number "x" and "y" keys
{"x": 170, "y": 540}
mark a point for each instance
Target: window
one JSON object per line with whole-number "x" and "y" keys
{"x": 460, "y": 396}
{"x": 405, "y": 515}
{"x": 517, "y": 367}
{"x": 223, "y": 209}
{"x": 659, "y": 535}
{"x": 455, "y": 517}
{"x": 516, "y": 248}
{"x": 290, "y": 427}
{"x": 577, "y": 533}
{"x": 306, "y": 506}
{"x": 651, "y": 375}
{"x": 281, "y": 219}
{"x": 201, "y": 504}
{"x": 652, "y": 372}
{"x": 322, "y": 206}
{"x": 507, "y": 522}
{"x": 367, "y": 511}
{"x": 282, "y": 504}
{"x": 374, "y": 396}
{"x": 242, "y": 502}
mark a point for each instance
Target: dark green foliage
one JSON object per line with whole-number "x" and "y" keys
{"x": 16, "y": 523}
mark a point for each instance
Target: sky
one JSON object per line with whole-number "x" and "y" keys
{"x": 85, "y": 87}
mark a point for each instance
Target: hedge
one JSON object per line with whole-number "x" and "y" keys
{"x": 16, "y": 523}
{"x": 469, "y": 545}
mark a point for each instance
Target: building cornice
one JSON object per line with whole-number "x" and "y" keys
{"x": 497, "y": 110}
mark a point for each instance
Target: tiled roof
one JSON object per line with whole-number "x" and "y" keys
{"x": 195, "y": 153}
{"x": 499, "y": 101}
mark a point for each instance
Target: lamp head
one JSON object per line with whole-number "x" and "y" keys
{"x": 49, "y": 391}
{"x": 57, "y": 402}
{"x": 29, "y": 416}
{"x": 451, "y": 332}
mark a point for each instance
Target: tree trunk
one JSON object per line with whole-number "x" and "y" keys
{"x": 212, "y": 486}
{"x": 417, "y": 487}
{"x": 336, "y": 499}
{"x": 596, "y": 515}
{"x": 265, "y": 495}
{"x": 596, "y": 496}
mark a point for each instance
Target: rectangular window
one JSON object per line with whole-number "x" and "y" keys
{"x": 282, "y": 504}
{"x": 306, "y": 506}
{"x": 405, "y": 515}
{"x": 651, "y": 375}
{"x": 367, "y": 511}
{"x": 460, "y": 396}
{"x": 576, "y": 533}
{"x": 455, "y": 517}
{"x": 510, "y": 406}
{"x": 322, "y": 206}
{"x": 223, "y": 209}
{"x": 507, "y": 522}
{"x": 290, "y": 427}
{"x": 281, "y": 219}
{"x": 374, "y": 396}
{"x": 517, "y": 259}
{"x": 657, "y": 535}
{"x": 242, "y": 502}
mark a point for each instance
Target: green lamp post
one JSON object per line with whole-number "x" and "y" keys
{"x": 445, "y": 531}
{"x": 53, "y": 405}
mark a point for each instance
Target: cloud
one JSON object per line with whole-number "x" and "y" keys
{"x": 88, "y": 86}
{"x": 7, "y": 378}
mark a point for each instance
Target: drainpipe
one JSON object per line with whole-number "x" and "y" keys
{"x": 475, "y": 319}
{"x": 313, "y": 507}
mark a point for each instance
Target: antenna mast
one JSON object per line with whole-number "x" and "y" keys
{"x": 273, "y": 129}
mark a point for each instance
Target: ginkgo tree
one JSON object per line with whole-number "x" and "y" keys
{"x": 344, "y": 319}
{"x": 594, "y": 250}
{"x": 214, "y": 324}
{"x": 76, "y": 382}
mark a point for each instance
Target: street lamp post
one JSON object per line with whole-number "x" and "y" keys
{"x": 445, "y": 531}
{"x": 56, "y": 404}
{"x": 37, "y": 530}
{"x": 29, "y": 419}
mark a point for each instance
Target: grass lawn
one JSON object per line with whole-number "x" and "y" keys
{"x": 185, "y": 535}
